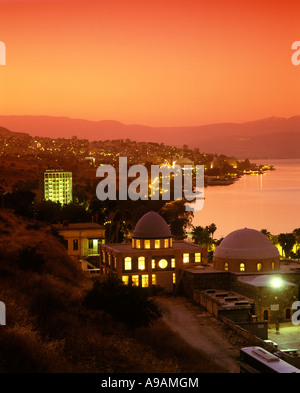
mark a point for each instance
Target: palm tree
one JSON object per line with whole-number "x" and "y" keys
{"x": 287, "y": 242}
{"x": 201, "y": 235}
{"x": 212, "y": 229}
{"x": 296, "y": 232}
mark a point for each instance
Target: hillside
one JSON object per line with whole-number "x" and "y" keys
{"x": 249, "y": 139}
{"x": 49, "y": 330}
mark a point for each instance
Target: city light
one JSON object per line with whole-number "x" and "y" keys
{"x": 276, "y": 282}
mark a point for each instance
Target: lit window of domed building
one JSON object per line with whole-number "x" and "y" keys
{"x": 152, "y": 258}
{"x": 246, "y": 250}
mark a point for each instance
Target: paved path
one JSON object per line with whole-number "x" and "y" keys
{"x": 201, "y": 330}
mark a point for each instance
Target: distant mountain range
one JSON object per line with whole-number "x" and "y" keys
{"x": 273, "y": 137}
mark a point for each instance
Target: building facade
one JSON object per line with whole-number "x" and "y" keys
{"x": 247, "y": 263}
{"x": 58, "y": 186}
{"x": 82, "y": 241}
{"x": 152, "y": 258}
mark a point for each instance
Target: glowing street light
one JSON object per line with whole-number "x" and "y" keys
{"x": 276, "y": 282}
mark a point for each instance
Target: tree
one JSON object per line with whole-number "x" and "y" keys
{"x": 126, "y": 303}
{"x": 212, "y": 229}
{"x": 177, "y": 217}
{"x": 273, "y": 239}
{"x": 201, "y": 235}
{"x": 287, "y": 242}
{"x": 296, "y": 232}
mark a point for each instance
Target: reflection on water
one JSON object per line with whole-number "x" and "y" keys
{"x": 270, "y": 201}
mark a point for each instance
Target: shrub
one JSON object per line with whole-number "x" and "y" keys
{"x": 127, "y": 303}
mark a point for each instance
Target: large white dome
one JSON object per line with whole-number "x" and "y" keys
{"x": 151, "y": 226}
{"x": 246, "y": 244}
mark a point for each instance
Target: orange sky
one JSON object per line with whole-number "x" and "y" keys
{"x": 153, "y": 62}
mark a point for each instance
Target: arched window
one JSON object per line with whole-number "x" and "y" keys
{"x": 225, "y": 266}
{"x": 242, "y": 267}
{"x": 266, "y": 315}
{"x": 163, "y": 263}
{"x": 141, "y": 263}
{"x": 127, "y": 263}
{"x": 258, "y": 267}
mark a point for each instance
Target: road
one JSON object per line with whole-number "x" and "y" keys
{"x": 202, "y": 331}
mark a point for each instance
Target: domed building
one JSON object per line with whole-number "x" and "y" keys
{"x": 151, "y": 231}
{"x": 246, "y": 250}
{"x": 152, "y": 258}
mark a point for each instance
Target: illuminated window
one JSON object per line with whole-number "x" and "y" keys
{"x": 242, "y": 267}
{"x": 173, "y": 262}
{"x": 258, "y": 267}
{"x": 115, "y": 262}
{"x": 108, "y": 259}
{"x": 125, "y": 279}
{"x": 157, "y": 243}
{"x": 132, "y": 243}
{"x": 186, "y": 258}
{"x": 273, "y": 265}
{"x": 226, "y": 266}
{"x": 163, "y": 263}
{"x": 147, "y": 243}
{"x": 153, "y": 279}
{"x": 127, "y": 263}
{"x": 141, "y": 263}
{"x": 166, "y": 243}
{"x": 145, "y": 281}
{"x": 138, "y": 243}
{"x": 135, "y": 280}
{"x": 174, "y": 278}
{"x": 197, "y": 257}
{"x": 171, "y": 242}
{"x": 153, "y": 263}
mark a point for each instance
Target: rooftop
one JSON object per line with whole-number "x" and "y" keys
{"x": 265, "y": 280}
{"x": 151, "y": 226}
{"x": 79, "y": 225}
{"x": 246, "y": 244}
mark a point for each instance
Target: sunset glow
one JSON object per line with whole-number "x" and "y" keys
{"x": 159, "y": 63}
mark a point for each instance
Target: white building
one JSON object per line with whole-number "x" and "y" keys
{"x": 58, "y": 186}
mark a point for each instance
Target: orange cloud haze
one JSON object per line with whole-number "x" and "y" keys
{"x": 155, "y": 62}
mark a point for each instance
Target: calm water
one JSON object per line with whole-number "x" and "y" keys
{"x": 270, "y": 201}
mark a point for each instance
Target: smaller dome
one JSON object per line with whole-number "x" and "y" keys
{"x": 247, "y": 244}
{"x": 151, "y": 226}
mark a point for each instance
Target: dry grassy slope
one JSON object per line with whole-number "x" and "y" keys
{"x": 49, "y": 331}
